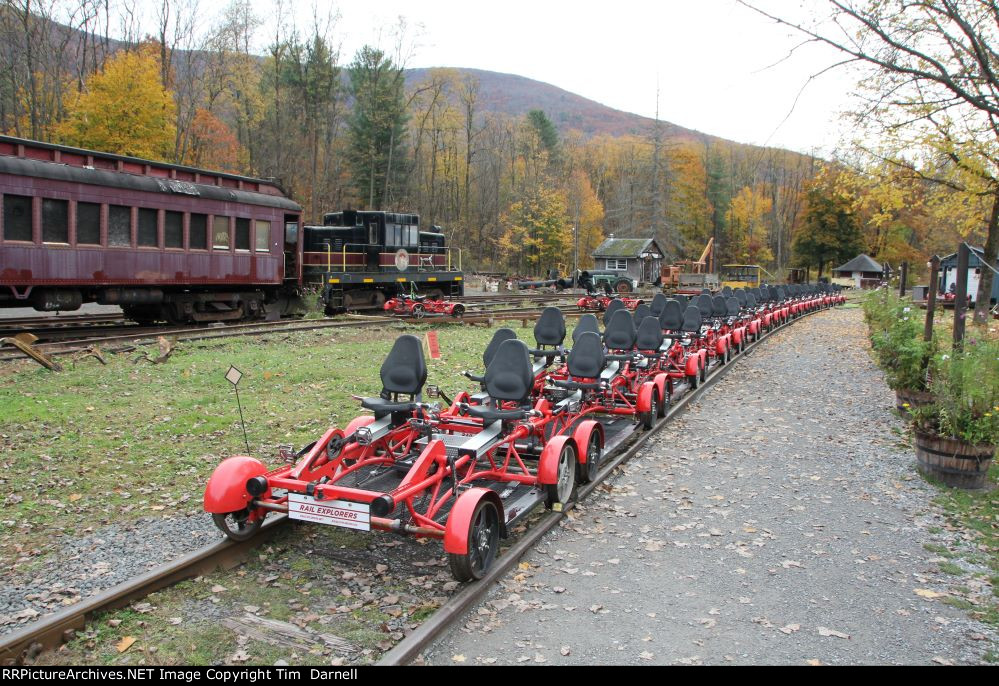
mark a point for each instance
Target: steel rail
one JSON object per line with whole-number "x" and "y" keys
{"x": 146, "y": 336}
{"x": 50, "y": 632}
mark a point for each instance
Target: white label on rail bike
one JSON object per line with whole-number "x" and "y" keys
{"x": 335, "y": 512}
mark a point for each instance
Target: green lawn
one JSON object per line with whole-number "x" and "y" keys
{"x": 96, "y": 443}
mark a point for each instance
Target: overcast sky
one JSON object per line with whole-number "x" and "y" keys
{"x": 711, "y": 59}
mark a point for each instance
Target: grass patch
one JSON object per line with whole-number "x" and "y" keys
{"x": 952, "y": 569}
{"x": 109, "y": 443}
{"x": 959, "y": 603}
{"x": 940, "y": 550}
{"x": 976, "y": 512}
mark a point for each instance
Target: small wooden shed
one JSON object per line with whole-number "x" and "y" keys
{"x": 976, "y": 263}
{"x": 640, "y": 259}
{"x": 862, "y": 270}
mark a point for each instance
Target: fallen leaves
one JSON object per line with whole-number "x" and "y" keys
{"x": 823, "y": 631}
{"x": 125, "y": 643}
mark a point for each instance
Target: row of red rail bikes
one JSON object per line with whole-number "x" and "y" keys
{"x": 594, "y": 302}
{"x": 539, "y": 421}
{"x": 419, "y": 306}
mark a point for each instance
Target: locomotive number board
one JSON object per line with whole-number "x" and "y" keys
{"x": 334, "y": 512}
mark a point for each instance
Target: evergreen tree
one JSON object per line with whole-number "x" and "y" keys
{"x": 830, "y": 231}
{"x": 377, "y": 125}
{"x": 545, "y": 129}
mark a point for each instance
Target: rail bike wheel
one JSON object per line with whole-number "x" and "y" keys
{"x": 664, "y": 405}
{"x": 594, "y": 456}
{"x": 561, "y": 491}
{"x": 694, "y": 380}
{"x": 237, "y": 525}
{"x": 458, "y": 312}
{"x": 483, "y": 544}
{"x": 704, "y": 372}
{"x": 648, "y": 419}
{"x": 419, "y": 311}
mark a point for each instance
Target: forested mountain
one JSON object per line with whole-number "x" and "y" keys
{"x": 517, "y": 95}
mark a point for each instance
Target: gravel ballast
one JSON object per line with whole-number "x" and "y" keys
{"x": 97, "y": 561}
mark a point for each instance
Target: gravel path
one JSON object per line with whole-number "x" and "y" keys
{"x": 777, "y": 521}
{"x": 97, "y": 561}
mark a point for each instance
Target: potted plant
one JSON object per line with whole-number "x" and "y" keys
{"x": 896, "y": 337}
{"x": 958, "y": 432}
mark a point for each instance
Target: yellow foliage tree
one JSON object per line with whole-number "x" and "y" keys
{"x": 124, "y": 109}
{"x": 538, "y": 234}
{"x": 747, "y": 227}
{"x": 689, "y": 212}
{"x": 587, "y": 212}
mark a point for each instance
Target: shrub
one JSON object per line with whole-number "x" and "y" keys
{"x": 897, "y": 340}
{"x": 966, "y": 390}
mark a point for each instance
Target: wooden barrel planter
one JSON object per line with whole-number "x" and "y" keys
{"x": 954, "y": 462}
{"x": 905, "y": 397}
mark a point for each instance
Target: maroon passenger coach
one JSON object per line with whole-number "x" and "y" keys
{"x": 163, "y": 241}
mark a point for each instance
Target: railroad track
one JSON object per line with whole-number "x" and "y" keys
{"x": 118, "y": 339}
{"x": 51, "y": 631}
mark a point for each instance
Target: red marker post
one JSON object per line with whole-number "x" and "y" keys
{"x": 433, "y": 345}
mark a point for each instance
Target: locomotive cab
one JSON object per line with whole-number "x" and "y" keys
{"x": 360, "y": 259}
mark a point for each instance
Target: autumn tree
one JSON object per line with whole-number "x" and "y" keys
{"x": 746, "y": 218}
{"x": 213, "y": 145}
{"x": 688, "y": 212}
{"x": 124, "y": 109}
{"x": 538, "y": 234}
{"x": 587, "y": 215}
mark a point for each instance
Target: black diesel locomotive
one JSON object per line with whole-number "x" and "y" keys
{"x": 360, "y": 259}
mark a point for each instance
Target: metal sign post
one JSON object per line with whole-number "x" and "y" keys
{"x": 234, "y": 376}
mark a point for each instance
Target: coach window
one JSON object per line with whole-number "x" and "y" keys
{"x": 147, "y": 235}
{"x": 263, "y": 236}
{"x": 16, "y": 218}
{"x": 55, "y": 221}
{"x": 242, "y": 234}
{"x": 173, "y": 229}
{"x": 88, "y": 223}
{"x": 119, "y": 226}
{"x": 198, "y": 232}
{"x": 220, "y": 233}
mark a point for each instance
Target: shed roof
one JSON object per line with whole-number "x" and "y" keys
{"x": 860, "y": 263}
{"x": 975, "y": 259}
{"x": 626, "y": 247}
